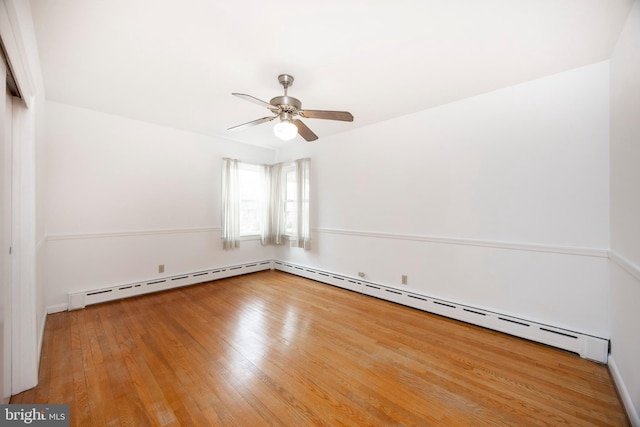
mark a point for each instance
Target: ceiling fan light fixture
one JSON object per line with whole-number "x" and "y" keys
{"x": 285, "y": 130}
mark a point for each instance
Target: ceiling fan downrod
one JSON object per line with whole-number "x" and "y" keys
{"x": 285, "y": 80}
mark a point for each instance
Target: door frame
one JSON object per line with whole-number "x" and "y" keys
{"x": 15, "y": 35}
{"x": 5, "y": 235}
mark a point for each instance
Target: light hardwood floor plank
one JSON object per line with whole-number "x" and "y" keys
{"x": 275, "y": 349}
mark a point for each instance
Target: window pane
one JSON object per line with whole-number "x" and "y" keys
{"x": 251, "y": 188}
{"x": 290, "y": 203}
{"x": 290, "y": 217}
{"x": 291, "y": 186}
{"x": 250, "y": 214}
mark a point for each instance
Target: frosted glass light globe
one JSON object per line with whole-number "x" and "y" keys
{"x": 285, "y": 130}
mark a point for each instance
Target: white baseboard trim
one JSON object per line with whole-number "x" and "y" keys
{"x": 632, "y": 411}
{"x": 57, "y": 308}
{"x": 587, "y": 346}
{"x": 81, "y": 299}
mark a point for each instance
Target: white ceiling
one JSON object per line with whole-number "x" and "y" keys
{"x": 176, "y": 63}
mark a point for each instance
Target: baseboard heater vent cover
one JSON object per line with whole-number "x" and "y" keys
{"x": 587, "y": 346}
{"x": 81, "y": 299}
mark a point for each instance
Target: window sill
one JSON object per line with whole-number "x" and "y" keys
{"x": 250, "y": 237}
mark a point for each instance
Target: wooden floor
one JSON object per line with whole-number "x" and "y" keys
{"x": 274, "y": 349}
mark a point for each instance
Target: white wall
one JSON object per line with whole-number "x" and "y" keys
{"x": 498, "y": 201}
{"x": 125, "y": 196}
{"x": 625, "y": 213}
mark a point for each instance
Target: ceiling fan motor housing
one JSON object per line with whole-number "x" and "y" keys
{"x": 286, "y": 103}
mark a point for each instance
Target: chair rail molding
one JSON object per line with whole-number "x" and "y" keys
{"x": 519, "y": 246}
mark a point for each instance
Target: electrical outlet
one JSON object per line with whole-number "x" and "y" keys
{"x": 405, "y": 279}
{"x": 361, "y": 274}
{"x": 161, "y": 268}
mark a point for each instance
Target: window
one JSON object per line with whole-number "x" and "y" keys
{"x": 270, "y": 201}
{"x": 251, "y": 183}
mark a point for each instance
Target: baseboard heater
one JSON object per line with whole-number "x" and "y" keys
{"x": 587, "y": 346}
{"x": 78, "y": 300}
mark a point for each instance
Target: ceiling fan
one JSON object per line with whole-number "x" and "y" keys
{"x": 286, "y": 108}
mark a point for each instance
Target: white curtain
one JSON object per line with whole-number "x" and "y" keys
{"x": 230, "y": 215}
{"x": 274, "y": 221}
{"x": 274, "y": 230}
{"x": 273, "y": 225}
{"x": 303, "y": 228}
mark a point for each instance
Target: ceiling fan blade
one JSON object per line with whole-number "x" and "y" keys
{"x": 252, "y": 123}
{"x": 304, "y": 131}
{"x": 328, "y": 115}
{"x": 255, "y": 100}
